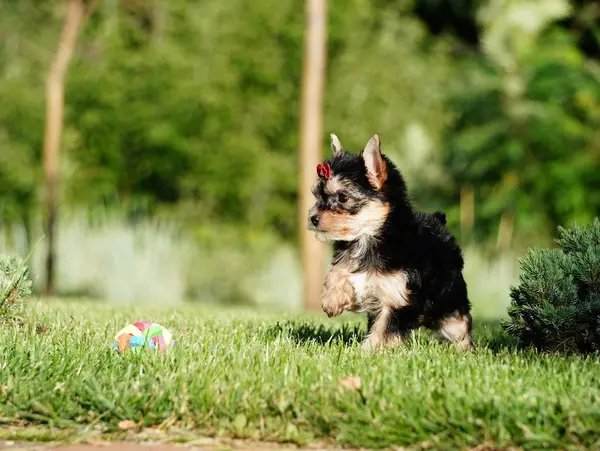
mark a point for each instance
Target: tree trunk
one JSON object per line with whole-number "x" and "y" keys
{"x": 505, "y": 231}
{"x": 311, "y": 141}
{"x": 467, "y": 214}
{"x": 54, "y": 125}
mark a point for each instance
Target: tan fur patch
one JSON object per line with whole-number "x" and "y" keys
{"x": 376, "y": 290}
{"x": 379, "y": 338}
{"x": 333, "y": 221}
{"x": 344, "y": 226}
{"x": 376, "y": 166}
{"x": 378, "y": 179}
{"x": 456, "y": 329}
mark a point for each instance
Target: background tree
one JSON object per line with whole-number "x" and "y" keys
{"x": 315, "y": 49}
{"x": 189, "y": 111}
{"x": 75, "y": 14}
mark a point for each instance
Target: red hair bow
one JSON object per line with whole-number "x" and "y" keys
{"x": 324, "y": 170}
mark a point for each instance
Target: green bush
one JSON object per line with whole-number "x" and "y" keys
{"x": 556, "y": 306}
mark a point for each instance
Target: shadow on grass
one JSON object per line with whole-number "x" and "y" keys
{"x": 304, "y": 333}
{"x": 487, "y": 333}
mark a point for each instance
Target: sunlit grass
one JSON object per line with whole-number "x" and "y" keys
{"x": 272, "y": 376}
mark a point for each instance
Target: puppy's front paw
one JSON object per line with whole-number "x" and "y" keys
{"x": 333, "y": 307}
{"x": 337, "y": 294}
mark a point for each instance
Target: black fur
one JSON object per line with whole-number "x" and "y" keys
{"x": 440, "y": 216}
{"x": 410, "y": 240}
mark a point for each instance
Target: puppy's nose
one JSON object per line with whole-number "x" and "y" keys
{"x": 315, "y": 220}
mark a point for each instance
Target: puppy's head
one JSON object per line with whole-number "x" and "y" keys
{"x": 352, "y": 193}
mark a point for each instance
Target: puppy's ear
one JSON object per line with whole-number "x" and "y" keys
{"x": 336, "y": 145}
{"x": 374, "y": 163}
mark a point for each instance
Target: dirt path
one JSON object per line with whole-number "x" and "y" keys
{"x": 117, "y": 446}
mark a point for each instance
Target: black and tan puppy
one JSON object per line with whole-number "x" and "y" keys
{"x": 401, "y": 266}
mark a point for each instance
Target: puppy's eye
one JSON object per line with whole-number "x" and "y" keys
{"x": 342, "y": 198}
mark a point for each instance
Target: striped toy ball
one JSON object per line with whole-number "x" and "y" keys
{"x": 143, "y": 334}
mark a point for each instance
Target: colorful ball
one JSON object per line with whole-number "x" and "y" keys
{"x": 143, "y": 334}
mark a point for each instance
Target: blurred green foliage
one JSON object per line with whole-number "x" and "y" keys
{"x": 527, "y": 134}
{"x": 191, "y": 107}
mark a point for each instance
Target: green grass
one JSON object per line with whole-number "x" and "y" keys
{"x": 268, "y": 376}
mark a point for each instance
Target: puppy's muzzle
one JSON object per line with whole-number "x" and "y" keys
{"x": 314, "y": 219}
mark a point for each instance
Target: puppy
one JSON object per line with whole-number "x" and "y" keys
{"x": 401, "y": 266}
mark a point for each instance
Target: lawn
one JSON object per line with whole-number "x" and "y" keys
{"x": 277, "y": 377}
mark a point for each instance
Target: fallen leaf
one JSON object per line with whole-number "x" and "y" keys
{"x": 126, "y": 425}
{"x": 351, "y": 383}
{"x": 41, "y": 329}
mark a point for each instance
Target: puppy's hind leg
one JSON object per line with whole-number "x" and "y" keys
{"x": 457, "y": 329}
{"x": 389, "y": 327}
{"x": 379, "y": 335}
{"x": 454, "y": 322}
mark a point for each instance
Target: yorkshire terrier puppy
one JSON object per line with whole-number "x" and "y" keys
{"x": 401, "y": 266}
